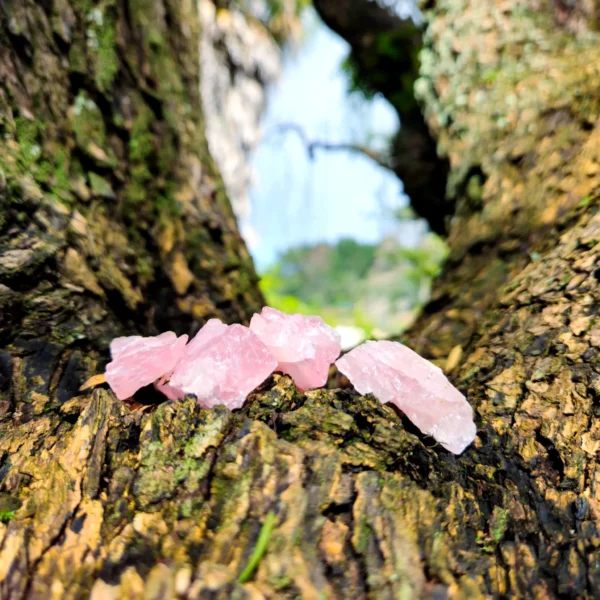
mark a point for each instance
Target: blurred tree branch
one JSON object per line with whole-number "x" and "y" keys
{"x": 384, "y": 58}
{"x": 313, "y": 145}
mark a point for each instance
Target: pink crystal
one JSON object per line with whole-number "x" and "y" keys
{"x": 304, "y": 346}
{"x": 163, "y": 386}
{"x": 138, "y": 361}
{"x": 222, "y": 364}
{"x": 396, "y": 374}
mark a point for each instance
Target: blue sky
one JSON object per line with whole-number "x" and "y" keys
{"x": 297, "y": 200}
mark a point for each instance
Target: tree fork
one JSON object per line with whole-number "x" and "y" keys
{"x": 125, "y": 501}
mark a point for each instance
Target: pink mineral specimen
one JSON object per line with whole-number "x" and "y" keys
{"x": 304, "y": 346}
{"x": 396, "y": 374}
{"x": 222, "y": 364}
{"x": 138, "y": 361}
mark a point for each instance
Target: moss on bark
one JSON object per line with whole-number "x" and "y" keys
{"x": 106, "y": 175}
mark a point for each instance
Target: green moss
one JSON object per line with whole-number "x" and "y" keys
{"x": 490, "y": 76}
{"x": 167, "y": 206}
{"x": 83, "y": 6}
{"x": 186, "y": 508}
{"x": 141, "y": 142}
{"x": 48, "y": 166}
{"x": 60, "y": 184}
{"x": 145, "y": 269}
{"x": 8, "y": 507}
{"x": 87, "y": 122}
{"x": 183, "y": 469}
{"x": 27, "y": 130}
{"x": 364, "y": 533}
{"x": 27, "y": 134}
{"x": 498, "y": 524}
{"x": 6, "y": 516}
{"x": 141, "y": 148}
{"x": 166, "y": 154}
{"x": 280, "y": 582}
{"x": 77, "y": 54}
{"x": 43, "y": 171}
{"x": 135, "y": 191}
{"x": 156, "y": 478}
{"x": 101, "y": 42}
{"x": 164, "y": 469}
{"x": 107, "y": 64}
{"x": 101, "y": 187}
{"x": 163, "y": 65}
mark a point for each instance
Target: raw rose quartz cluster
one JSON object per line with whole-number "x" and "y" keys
{"x": 394, "y": 373}
{"x": 305, "y": 347}
{"x": 222, "y": 364}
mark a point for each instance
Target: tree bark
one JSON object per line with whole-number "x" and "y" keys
{"x": 323, "y": 494}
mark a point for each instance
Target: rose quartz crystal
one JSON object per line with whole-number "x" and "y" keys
{"x": 222, "y": 364}
{"x": 304, "y": 346}
{"x": 396, "y": 374}
{"x": 138, "y": 361}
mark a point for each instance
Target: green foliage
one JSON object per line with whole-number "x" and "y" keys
{"x": 280, "y": 7}
{"x": 280, "y": 17}
{"x": 356, "y": 83}
{"x": 423, "y": 261}
{"x": 390, "y": 65}
{"x": 321, "y": 275}
{"x": 349, "y": 282}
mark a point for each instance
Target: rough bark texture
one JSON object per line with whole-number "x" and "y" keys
{"x": 324, "y": 494}
{"x": 113, "y": 213}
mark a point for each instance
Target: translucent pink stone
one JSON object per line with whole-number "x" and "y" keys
{"x": 222, "y": 364}
{"x": 396, "y": 374}
{"x": 304, "y": 346}
{"x": 163, "y": 386}
{"x": 138, "y": 361}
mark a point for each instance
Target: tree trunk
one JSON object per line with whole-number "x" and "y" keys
{"x": 115, "y": 221}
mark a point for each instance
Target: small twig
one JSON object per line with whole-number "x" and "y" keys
{"x": 313, "y": 145}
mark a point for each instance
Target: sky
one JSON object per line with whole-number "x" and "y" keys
{"x": 296, "y": 200}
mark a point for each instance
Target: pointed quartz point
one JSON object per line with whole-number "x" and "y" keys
{"x": 305, "y": 347}
{"x": 138, "y": 361}
{"x": 222, "y": 364}
{"x": 394, "y": 373}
